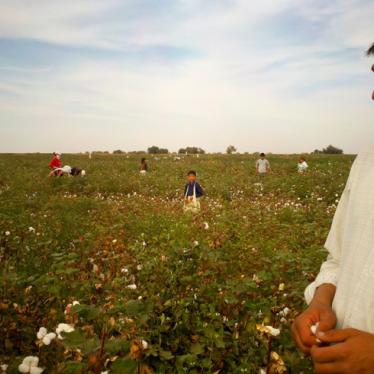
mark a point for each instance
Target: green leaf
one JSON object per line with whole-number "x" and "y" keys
{"x": 166, "y": 355}
{"x": 124, "y": 366}
{"x": 117, "y": 346}
{"x": 197, "y": 349}
{"x": 72, "y": 367}
{"x": 73, "y": 339}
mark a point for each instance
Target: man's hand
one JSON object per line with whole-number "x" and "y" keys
{"x": 316, "y": 313}
{"x": 352, "y": 352}
{"x": 320, "y": 311}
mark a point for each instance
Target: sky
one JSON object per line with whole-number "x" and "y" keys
{"x": 281, "y": 76}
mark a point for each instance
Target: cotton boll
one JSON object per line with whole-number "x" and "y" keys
{"x": 63, "y": 327}
{"x": 41, "y": 333}
{"x": 31, "y": 361}
{"x": 314, "y": 328}
{"x": 144, "y": 344}
{"x": 132, "y": 286}
{"x": 36, "y": 370}
{"x": 23, "y": 368}
{"x": 48, "y": 338}
{"x": 7, "y": 233}
{"x": 273, "y": 331}
{"x": 4, "y": 367}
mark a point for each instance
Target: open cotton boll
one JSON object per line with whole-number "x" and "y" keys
{"x": 48, "y": 338}
{"x": 4, "y": 367}
{"x": 63, "y": 327}
{"x": 144, "y": 344}
{"x": 132, "y": 286}
{"x": 313, "y": 330}
{"x": 273, "y": 331}
{"x": 41, "y": 333}
{"x": 23, "y": 368}
{"x": 31, "y": 361}
{"x": 36, "y": 370}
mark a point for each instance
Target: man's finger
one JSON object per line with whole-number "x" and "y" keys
{"x": 334, "y": 353}
{"x": 330, "y": 368}
{"x": 326, "y": 323}
{"x": 335, "y": 336}
{"x": 303, "y": 336}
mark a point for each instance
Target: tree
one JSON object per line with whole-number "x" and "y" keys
{"x": 230, "y": 149}
{"x": 118, "y": 152}
{"x": 157, "y": 150}
{"x": 331, "y": 150}
{"x": 191, "y": 150}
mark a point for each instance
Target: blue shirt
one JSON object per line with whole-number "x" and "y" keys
{"x": 188, "y": 190}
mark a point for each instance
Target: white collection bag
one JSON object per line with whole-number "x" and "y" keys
{"x": 191, "y": 203}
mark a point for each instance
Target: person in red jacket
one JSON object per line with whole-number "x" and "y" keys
{"x": 55, "y": 164}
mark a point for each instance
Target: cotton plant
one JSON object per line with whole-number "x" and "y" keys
{"x": 30, "y": 365}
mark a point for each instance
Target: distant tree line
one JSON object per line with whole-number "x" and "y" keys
{"x": 329, "y": 150}
{"x": 191, "y": 150}
{"x": 157, "y": 150}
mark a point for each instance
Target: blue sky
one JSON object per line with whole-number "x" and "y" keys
{"x": 279, "y": 76}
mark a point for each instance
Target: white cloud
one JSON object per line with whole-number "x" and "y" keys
{"x": 237, "y": 86}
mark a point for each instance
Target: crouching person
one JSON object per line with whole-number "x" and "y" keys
{"x": 70, "y": 171}
{"x": 337, "y": 328}
{"x": 55, "y": 165}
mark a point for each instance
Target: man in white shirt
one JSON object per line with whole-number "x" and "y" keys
{"x": 341, "y": 299}
{"x": 262, "y": 165}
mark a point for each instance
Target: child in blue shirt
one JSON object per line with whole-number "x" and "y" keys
{"x": 192, "y": 193}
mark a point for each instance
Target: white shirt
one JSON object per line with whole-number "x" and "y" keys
{"x": 350, "y": 244}
{"x": 302, "y": 166}
{"x": 65, "y": 169}
{"x": 262, "y": 165}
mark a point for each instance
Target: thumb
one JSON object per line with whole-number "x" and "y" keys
{"x": 335, "y": 336}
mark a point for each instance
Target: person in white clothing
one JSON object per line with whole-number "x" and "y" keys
{"x": 341, "y": 299}
{"x": 302, "y": 166}
{"x": 68, "y": 170}
{"x": 262, "y": 165}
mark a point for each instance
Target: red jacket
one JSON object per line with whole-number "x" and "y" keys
{"x": 55, "y": 163}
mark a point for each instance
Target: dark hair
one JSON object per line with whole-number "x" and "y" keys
{"x": 370, "y": 51}
{"x": 192, "y": 172}
{"x": 143, "y": 160}
{"x": 262, "y": 154}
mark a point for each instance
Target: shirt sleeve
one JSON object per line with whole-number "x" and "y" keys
{"x": 329, "y": 271}
{"x": 199, "y": 189}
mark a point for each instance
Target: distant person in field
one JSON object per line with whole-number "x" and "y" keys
{"x": 302, "y": 166}
{"x": 55, "y": 164}
{"x": 262, "y": 165}
{"x": 192, "y": 193}
{"x": 341, "y": 299}
{"x": 370, "y": 52}
{"x": 68, "y": 170}
{"x": 143, "y": 166}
